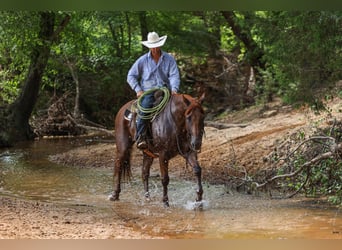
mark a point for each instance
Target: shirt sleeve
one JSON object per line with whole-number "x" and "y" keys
{"x": 133, "y": 76}
{"x": 174, "y": 75}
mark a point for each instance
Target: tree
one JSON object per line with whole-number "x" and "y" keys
{"x": 18, "y": 114}
{"x": 143, "y": 25}
{"x": 291, "y": 52}
{"x": 243, "y": 33}
{"x": 302, "y": 51}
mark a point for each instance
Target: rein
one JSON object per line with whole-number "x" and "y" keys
{"x": 188, "y": 110}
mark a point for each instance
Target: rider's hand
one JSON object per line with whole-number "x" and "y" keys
{"x": 139, "y": 93}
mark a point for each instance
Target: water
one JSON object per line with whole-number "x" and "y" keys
{"x": 227, "y": 216}
{"x": 26, "y": 172}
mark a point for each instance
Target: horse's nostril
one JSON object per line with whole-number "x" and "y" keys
{"x": 196, "y": 144}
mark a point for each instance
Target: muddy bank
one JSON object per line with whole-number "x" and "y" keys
{"x": 23, "y": 219}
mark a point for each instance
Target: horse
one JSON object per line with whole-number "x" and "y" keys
{"x": 177, "y": 130}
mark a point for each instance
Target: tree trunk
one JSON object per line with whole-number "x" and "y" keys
{"x": 129, "y": 31}
{"x": 74, "y": 75}
{"x": 255, "y": 53}
{"x": 17, "y": 127}
{"x": 22, "y": 108}
{"x": 143, "y": 26}
{"x": 116, "y": 43}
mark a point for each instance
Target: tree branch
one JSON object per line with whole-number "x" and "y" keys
{"x": 109, "y": 132}
{"x": 305, "y": 165}
{"x": 60, "y": 28}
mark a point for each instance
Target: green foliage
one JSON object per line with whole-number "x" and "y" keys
{"x": 269, "y": 87}
{"x": 18, "y": 31}
{"x": 324, "y": 177}
{"x": 187, "y": 32}
{"x": 8, "y": 90}
{"x": 228, "y": 40}
{"x": 303, "y": 51}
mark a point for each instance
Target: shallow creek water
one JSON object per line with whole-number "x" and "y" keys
{"x": 26, "y": 172}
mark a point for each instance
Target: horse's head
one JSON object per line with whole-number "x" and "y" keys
{"x": 194, "y": 121}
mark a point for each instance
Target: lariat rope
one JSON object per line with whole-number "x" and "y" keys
{"x": 149, "y": 113}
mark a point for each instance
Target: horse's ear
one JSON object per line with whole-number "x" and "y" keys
{"x": 186, "y": 100}
{"x": 201, "y": 98}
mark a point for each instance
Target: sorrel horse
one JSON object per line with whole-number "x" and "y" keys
{"x": 178, "y": 129}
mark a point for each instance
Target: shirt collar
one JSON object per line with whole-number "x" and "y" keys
{"x": 150, "y": 56}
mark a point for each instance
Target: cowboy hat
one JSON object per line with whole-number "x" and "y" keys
{"x": 154, "y": 41}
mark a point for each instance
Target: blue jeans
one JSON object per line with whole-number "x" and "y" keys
{"x": 146, "y": 102}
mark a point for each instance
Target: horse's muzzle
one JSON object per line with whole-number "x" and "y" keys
{"x": 196, "y": 143}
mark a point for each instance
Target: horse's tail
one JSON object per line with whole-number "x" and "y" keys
{"x": 123, "y": 169}
{"x": 126, "y": 172}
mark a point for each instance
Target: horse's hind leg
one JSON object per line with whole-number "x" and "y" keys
{"x": 147, "y": 162}
{"x": 122, "y": 166}
{"x": 121, "y": 169}
{"x": 123, "y": 136}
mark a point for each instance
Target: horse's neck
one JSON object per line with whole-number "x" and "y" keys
{"x": 176, "y": 109}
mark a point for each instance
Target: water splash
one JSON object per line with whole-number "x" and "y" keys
{"x": 196, "y": 205}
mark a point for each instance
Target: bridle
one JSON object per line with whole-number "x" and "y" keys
{"x": 193, "y": 104}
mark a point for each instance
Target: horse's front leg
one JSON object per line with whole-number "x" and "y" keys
{"x": 164, "y": 173}
{"x": 147, "y": 162}
{"x": 192, "y": 160}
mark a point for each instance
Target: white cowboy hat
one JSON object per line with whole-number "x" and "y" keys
{"x": 154, "y": 41}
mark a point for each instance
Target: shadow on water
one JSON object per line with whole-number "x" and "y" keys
{"x": 26, "y": 172}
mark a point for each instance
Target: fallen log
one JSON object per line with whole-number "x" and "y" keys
{"x": 101, "y": 129}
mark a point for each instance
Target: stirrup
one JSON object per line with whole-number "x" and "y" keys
{"x": 141, "y": 144}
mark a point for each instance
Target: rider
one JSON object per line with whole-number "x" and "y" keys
{"x": 154, "y": 69}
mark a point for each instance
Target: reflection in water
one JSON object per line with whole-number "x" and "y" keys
{"x": 26, "y": 172}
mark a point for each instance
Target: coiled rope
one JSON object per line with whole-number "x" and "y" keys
{"x": 149, "y": 113}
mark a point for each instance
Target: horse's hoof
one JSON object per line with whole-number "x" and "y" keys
{"x": 166, "y": 204}
{"x": 113, "y": 198}
{"x": 198, "y": 206}
{"x": 147, "y": 196}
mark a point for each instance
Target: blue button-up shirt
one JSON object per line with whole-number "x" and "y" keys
{"x": 145, "y": 74}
